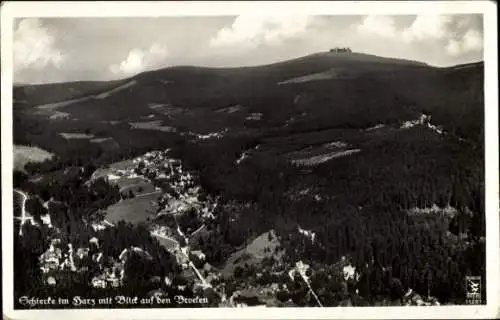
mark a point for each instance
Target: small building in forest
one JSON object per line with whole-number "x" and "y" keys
{"x": 341, "y": 50}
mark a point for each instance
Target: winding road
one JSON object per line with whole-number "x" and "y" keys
{"x": 23, "y": 217}
{"x": 154, "y": 234}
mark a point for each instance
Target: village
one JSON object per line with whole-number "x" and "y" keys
{"x": 182, "y": 196}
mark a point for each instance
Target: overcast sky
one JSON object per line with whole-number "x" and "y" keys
{"x": 71, "y": 49}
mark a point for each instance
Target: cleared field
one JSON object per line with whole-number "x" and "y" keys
{"x": 318, "y": 150}
{"x": 60, "y": 104}
{"x": 123, "y": 165}
{"x": 261, "y": 247}
{"x": 59, "y": 115}
{"x": 128, "y": 182}
{"x": 137, "y": 187}
{"x": 134, "y": 210}
{"x": 24, "y": 155}
{"x": 113, "y": 168}
{"x": 114, "y": 90}
{"x": 232, "y": 109}
{"x": 329, "y": 74}
{"x": 324, "y": 140}
{"x": 106, "y": 143}
{"x": 166, "y": 109}
{"x": 166, "y": 243}
{"x": 100, "y": 140}
{"x": 69, "y": 136}
{"x": 315, "y": 160}
{"x": 152, "y": 125}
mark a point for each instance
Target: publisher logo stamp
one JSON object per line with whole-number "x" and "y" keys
{"x": 473, "y": 287}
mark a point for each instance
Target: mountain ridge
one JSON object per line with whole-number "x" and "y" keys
{"x": 210, "y": 79}
{"x": 190, "y": 66}
{"x": 341, "y": 158}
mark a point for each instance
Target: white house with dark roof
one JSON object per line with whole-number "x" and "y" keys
{"x": 94, "y": 241}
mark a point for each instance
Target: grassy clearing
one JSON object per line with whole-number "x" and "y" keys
{"x": 230, "y": 110}
{"x": 134, "y": 210}
{"x": 315, "y": 160}
{"x": 69, "y": 136}
{"x": 127, "y": 182}
{"x": 107, "y": 144}
{"x": 25, "y": 154}
{"x": 253, "y": 253}
{"x": 101, "y": 140}
{"x": 329, "y": 74}
{"x": 106, "y": 94}
{"x": 167, "y": 243}
{"x": 137, "y": 186}
{"x": 152, "y": 125}
{"x": 317, "y": 150}
{"x": 166, "y": 109}
{"x": 297, "y": 142}
{"x": 60, "y": 104}
{"x": 121, "y": 165}
{"x": 59, "y": 115}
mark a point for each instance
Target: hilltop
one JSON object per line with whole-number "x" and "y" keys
{"x": 341, "y": 89}
{"x": 55, "y": 92}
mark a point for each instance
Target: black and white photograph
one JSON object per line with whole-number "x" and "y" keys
{"x": 277, "y": 156}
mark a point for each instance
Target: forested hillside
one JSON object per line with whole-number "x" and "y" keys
{"x": 382, "y": 160}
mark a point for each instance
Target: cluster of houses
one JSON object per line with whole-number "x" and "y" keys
{"x": 307, "y": 233}
{"x": 254, "y": 116}
{"x": 340, "y": 50}
{"x": 108, "y": 272}
{"x": 182, "y": 194}
{"x": 212, "y": 135}
{"x": 110, "y": 276}
{"x": 423, "y": 120}
{"x": 58, "y": 259}
{"x": 158, "y": 166}
{"x": 248, "y": 298}
{"x": 50, "y": 260}
{"x": 113, "y": 174}
{"x": 411, "y": 298}
{"x": 181, "y": 190}
{"x": 245, "y": 154}
{"x": 27, "y": 217}
{"x": 180, "y": 186}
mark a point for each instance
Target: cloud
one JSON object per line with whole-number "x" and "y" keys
{"x": 457, "y": 34}
{"x": 472, "y": 41}
{"x": 453, "y": 47}
{"x": 34, "y": 47}
{"x": 428, "y": 27}
{"x": 382, "y": 26}
{"x": 139, "y": 60}
{"x": 251, "y": 31}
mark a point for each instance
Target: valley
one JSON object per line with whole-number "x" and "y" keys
{"x": 329, "y": 180}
